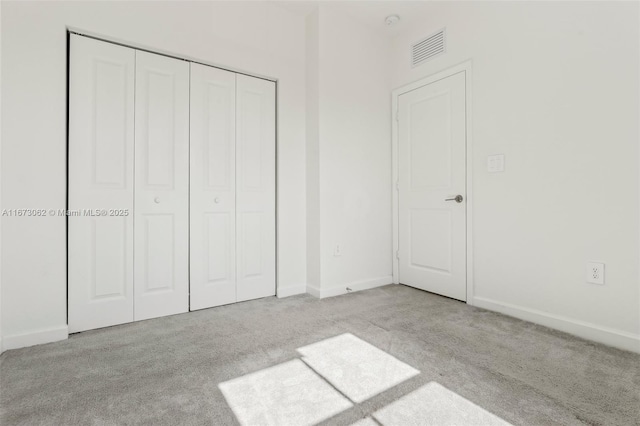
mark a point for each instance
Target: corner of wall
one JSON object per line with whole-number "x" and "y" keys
{"x": 312, "y": 149}
{"x": 314, "y": 291}
{"x": 354, "y": 204}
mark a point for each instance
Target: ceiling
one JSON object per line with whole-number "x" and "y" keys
{"x": 371, "y": 13}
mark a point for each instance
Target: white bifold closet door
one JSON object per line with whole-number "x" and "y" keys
{"x": 255, "y": 188}
{"x": 172, "y": 171}
{"x": 213, "y": 187}
{"x": 101, "y": 145}
{"x": 130, "y": 159}
{"x": 233, "y": 238}
{"x": 161, "y": 207}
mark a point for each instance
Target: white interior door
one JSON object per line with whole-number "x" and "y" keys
{"x": 256, "y": 183}
{"x": 432, "y": 172}
{"x": 101, "y": 133}
{"x": 161, "y": 267}
{"x": 213, "y": 187}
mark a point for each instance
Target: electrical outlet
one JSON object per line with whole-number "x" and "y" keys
{"x": 595, "y": 273}
{"x": 337, "y": 251}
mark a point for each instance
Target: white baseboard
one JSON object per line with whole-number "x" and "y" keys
{"x": 596, "y": 333}
{"x": 314, "y": 291}
{"x": 354, "y": 286}
{"x": 291, "y": 291}
{"x": 39, "y": 337}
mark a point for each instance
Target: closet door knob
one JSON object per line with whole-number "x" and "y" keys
{"x": 216, "y": 200}
{"x": 156, "y": 200}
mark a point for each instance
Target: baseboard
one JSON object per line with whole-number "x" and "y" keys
{"x": 596, "y": 333}
{"x": 291, "y": 291}
{"x": 353, "y": 286}
{"x": 35, "y": 338}
{"x": 314, "y": 291}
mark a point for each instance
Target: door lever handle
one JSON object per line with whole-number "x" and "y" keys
{"x": 457, "y": 199}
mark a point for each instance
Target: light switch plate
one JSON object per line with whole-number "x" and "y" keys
{"x": 495, "y": 163}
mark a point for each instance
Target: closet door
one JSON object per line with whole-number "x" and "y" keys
{"x": 101, "y": 133}
{"x": 213, "y": 199}
{"x": 255, "y": 189}
{"x": 161, "y": 186}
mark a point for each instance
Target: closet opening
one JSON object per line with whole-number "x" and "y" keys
{"x": 171, "y": 185}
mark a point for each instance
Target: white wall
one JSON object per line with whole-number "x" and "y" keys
{"x": 254, "y": 37}
{"x": 352, "y": 155}
{"x": 555, "y": 88}
{"x": 1, "y": 347}
{"x": 313, "y": 150}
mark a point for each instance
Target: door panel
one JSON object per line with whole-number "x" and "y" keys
{"x": 158, "y": 242}
{"x": 255, "y": 203}
{"x": 213, "y": 187}
{"x": 101, "y": 143}
{"x": 432, "y": 168}
{"x": 431, "y": 239}
{"x": 109, "y": 257}
{"x": 161, "y": 186}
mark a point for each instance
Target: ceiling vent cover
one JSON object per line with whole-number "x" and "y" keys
{"x": 428, "y": 48}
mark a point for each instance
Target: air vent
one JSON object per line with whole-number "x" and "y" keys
{"x": 428, "y": 48}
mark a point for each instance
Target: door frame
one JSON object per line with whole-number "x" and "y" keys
{"x": 465, "y": 67}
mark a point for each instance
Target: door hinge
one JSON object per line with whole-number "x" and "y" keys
{"x": 397, "y": 254}
{"x": 397, "y": 115}
{"x": 397, "y": 185}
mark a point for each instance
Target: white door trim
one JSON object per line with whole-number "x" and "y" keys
{"x": 157, "y": 51}
{"x": 466, "y": 68}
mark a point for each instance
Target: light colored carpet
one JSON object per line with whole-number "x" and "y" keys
{"x": 167, "y": 371}
{"x": 367, "y": 421}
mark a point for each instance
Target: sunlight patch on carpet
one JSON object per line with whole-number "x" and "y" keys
{"x": 356, "y": 368}
{"x": 433, "y": 404}
{"x": 289, "y": 393}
